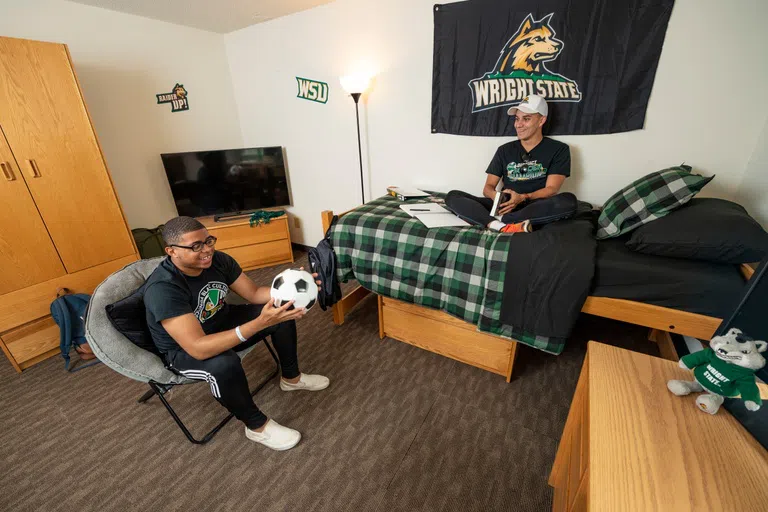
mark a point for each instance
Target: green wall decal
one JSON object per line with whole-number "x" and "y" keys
{"x": 312, "y": 90}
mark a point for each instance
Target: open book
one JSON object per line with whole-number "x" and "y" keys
{"x": 433, "y": 215}
{"x": 497, "y": 200}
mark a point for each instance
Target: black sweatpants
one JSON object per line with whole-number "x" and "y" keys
{"x": 477, "y": 210}
{"x": 225, "y": 373}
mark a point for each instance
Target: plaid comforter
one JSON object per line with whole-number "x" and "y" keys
{"x": 459, "y": 270}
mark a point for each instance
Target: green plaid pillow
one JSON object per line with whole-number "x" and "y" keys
{"x": 649, "y": 198}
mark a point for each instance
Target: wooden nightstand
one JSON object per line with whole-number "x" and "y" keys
{"x": 629, "y": 444}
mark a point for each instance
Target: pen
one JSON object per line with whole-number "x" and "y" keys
{"x": 419, "y": 209}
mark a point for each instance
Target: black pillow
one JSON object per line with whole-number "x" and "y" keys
{"x": 704, "y": 229}
{"x": 130, "y": 318}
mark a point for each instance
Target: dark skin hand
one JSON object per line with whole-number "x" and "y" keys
{"x": 552, "y": 187}
{"x": 188, "y": 333}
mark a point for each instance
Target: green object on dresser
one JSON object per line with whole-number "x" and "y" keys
{"x": 263, "y": 217}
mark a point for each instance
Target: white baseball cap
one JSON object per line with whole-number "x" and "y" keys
{"x": 531, "y": 104}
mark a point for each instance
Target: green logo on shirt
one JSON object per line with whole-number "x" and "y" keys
{"x": 210, "y": 300}
{"x": 524, "y": 171}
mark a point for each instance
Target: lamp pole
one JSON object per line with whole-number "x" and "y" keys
{"x": 356, "y": 97}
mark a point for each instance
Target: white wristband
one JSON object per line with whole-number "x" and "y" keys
{"x": 240, "y": 334}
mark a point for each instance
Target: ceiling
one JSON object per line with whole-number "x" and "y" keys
{"x": 213, "y": 15}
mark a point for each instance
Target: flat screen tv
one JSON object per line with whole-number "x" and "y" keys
{"x": 227, "y": 182}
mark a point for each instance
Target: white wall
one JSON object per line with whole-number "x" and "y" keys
{"x": 754, "y": 185}
{"x": 122, "y": 61}
{"x": 713, "y": 53}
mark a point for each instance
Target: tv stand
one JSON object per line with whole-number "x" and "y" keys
{"x": 233, "y": 215}
{"x": 254, "y": 247}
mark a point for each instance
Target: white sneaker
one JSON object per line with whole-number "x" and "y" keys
{"x": 306, "y": 382}
{"x": 275, "y": 436}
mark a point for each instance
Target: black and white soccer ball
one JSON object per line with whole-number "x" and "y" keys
{"x": 296, "y": 285}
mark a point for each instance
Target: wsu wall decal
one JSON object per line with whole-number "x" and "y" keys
{"x": 312, "y": 90}
{"x": 594, "y": 62}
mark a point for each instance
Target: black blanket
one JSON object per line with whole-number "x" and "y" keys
{"x": 548, "y": 277}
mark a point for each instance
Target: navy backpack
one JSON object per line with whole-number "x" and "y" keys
{"x": 68, "y": 312}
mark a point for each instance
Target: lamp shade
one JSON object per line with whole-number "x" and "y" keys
{"x": 355, "y": 83}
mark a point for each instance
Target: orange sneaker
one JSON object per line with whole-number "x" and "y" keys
{"x": 518, "y": 227}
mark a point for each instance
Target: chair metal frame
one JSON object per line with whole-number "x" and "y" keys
{"x": 160, "y": 390}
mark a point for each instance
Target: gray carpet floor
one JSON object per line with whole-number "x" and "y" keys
{"x": 399, "y": 429}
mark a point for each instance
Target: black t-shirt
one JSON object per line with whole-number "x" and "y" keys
{"x": 170, "y": 293}
{"x": 526, "y": 176}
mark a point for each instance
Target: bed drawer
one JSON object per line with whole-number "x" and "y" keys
{"x": 443, "y": 334}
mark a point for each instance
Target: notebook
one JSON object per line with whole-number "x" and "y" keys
{"x": 433, "y": 215}
{"x": 441, "y": 220}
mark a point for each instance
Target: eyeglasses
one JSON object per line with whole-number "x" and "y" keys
{"x": 198, "y": 246}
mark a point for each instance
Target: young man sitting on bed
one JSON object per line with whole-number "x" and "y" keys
{"x": 533, "y": 168}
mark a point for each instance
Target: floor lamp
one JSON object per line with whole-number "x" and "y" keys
{"x": 356, "y": 85}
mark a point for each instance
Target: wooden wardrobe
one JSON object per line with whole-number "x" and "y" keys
{"x": 61, "y": 224}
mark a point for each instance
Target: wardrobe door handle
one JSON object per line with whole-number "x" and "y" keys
{"x": 7, "y": 171}
{"x": 35, "y": 170}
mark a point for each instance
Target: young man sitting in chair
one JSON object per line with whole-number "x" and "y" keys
{"x": 533, "y": 169}
{"x": 198, "y": 332}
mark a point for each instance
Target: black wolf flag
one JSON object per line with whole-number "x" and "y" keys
{"x": 594, "y": 62}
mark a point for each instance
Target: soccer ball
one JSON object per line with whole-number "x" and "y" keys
{"x": 296, "y": 285}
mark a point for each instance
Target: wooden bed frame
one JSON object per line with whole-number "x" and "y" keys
{"x": 444, "y": 334}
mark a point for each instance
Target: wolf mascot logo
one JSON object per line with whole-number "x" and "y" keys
{"x": 528, "y": 50}
{"x": 521, "y": 69}
{"x": 180, "y": 91}
{"x": 177, "y": 98}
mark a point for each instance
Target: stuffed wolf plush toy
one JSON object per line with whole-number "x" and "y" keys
{"x": 726, "y": 368}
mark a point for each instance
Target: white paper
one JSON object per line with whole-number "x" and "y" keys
{"x": 440, "y": 220}
{"x": 421, "y": 208}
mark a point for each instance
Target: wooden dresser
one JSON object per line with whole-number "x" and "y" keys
{"x": 631, "y": 445}
{"x": 64, "y": 226}
{"x": 252, "y": 247}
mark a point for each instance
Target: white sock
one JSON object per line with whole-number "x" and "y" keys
{"x": 496, "y": 225}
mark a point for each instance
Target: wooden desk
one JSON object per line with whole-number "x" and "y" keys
{"x": 629, "y": 444}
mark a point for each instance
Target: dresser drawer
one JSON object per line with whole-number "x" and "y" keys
{"x": 261, "y": 255}
{"x": 244, "y": 234}
{"x": 34, "y": 302}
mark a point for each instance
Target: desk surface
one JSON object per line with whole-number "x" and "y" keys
{"x": 652, "y": 450}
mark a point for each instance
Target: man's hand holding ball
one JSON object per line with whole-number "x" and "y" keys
{"x": 273, "y": 315}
